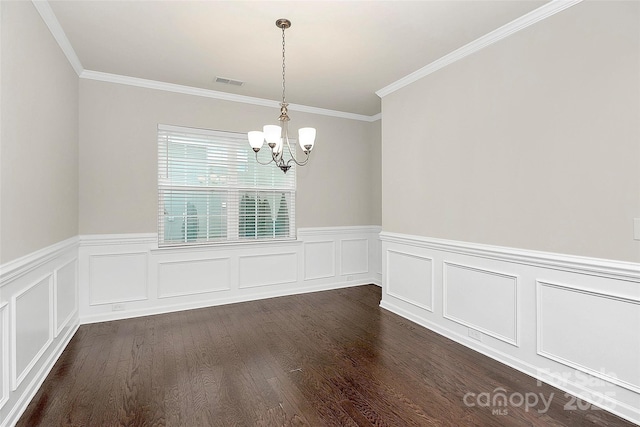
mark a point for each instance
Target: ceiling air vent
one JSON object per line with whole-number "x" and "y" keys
{"x": 227, "y": 81}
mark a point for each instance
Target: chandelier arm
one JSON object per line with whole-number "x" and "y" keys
{"x": 270, "y": 161}
{"x": 304, "y": 162}
{"x": 289, "y": 148}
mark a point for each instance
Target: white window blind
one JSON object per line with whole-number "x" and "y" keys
{"x": 211, "y": 189}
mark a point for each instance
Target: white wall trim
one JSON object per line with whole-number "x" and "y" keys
{"x": 224, "y": 96}
{"x": 17, "y": 278}
{"x": 516, "y": 325}
{"x": 18, "y": 409}
{"x": 4, "y": 353}
{"x": 211, "y": 302}
{"x": 540, "y": 341}
{"x": 16, "y": 377}
{"x": 12, "y": 270}
{"x": 332, "y": 271}
{"x": 543, "y": 12}
{"x": 162, "y": 295}
{"x": 599, "y": 400}
{"x": 137, "y": 297}
{"x": 49, "y": 18}
{"x": 74, "y": 313}
{"x": 117, "y": 239}
{"x": 622, "y": 270}
{"x": 346, "y": 271}
{"x": 286, "y": 264}
{"x": 562, "y": 362}
{"x": 269, "y": 282}
{"x": 394, "y": 294}
{"x": 41, "y": 267}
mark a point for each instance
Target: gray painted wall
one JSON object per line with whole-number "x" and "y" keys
{"x": 118, "y": 157}
{"x": 39, "y": 136}
{"x": 532, "y": 142}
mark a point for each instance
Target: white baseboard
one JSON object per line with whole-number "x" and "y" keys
{"x": 547, "y": 315}
{"x": 170, "y": 308}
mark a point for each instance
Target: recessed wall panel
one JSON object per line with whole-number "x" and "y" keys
{"x": 117, "y": 277}
{"x": 32, "y": 327}
{"x": 355, "y": 256}
{"x": 482, "y": 299}
{"x": 65, "y": 294}
{"x": 4, "y": 354}
{"x": 268, "y": 269}
{"x": 319, "y": 259}
{"x": 595, "y": 333}
{"x": 189, "y": 277}
{"x": 410, "y": 278}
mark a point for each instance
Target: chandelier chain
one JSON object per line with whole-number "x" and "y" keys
{"x": 283, "y": 68}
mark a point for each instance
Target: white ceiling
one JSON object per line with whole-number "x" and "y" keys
{"x": 338, "y": 52}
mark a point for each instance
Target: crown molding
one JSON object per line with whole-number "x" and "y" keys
{"x": 376, "y": 117}
{"x": 506, "y": 30}
{"x": 208, "y": 93}
{"x": 49, "y": 18}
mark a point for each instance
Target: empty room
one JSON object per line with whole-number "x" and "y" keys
{"x": 319, "y": 213}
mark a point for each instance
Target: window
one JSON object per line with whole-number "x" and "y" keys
{"x": 211, "y": 189}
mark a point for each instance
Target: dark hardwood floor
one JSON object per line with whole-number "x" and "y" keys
{"x": 330, "y": 358}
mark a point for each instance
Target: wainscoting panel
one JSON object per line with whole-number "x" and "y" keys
{"x": 319, "y": 259}
{"x": 355, "y": 256}
{"x": 185, "y": 278}
{"x": 610, "y": 321}
{"x": 32, "y": 327}
{"x": 45, "y": 295}
{"x": 117, "y": 277}
{"x": 410, "y": 278}
{"x": 65, "y": 294}
{"x": 568, "y": 321}
{"x": 4, "y": 354}
{"x": 483, "y": 300}
{"x": 38, "y": 317}
{"x": 265, "y": 270}
{"x": 178, "y": 278}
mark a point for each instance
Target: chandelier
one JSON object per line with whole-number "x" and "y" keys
{"x": 277, "y": 136}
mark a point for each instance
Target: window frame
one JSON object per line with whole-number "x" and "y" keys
{"x": 243, "y": 178}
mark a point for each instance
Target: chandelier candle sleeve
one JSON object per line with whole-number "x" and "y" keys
{"x": 278, "y": 136}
